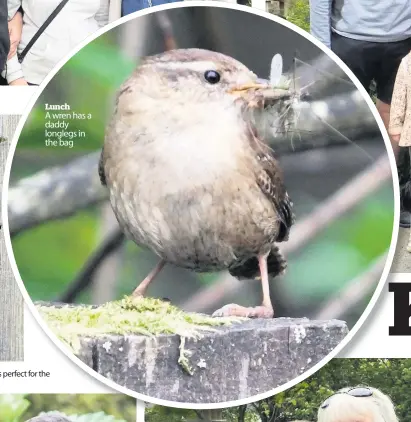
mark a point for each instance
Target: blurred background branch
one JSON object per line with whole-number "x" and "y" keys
{"x": 54, "y": 193}
{"x": 353, "y": 292}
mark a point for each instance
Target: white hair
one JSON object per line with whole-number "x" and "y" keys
{"x": 49, "y": 418}
{"x": 346, "y": 408}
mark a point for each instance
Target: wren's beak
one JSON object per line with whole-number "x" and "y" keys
{"x": 270, "y": 94}
{"x": 259, "y": 84}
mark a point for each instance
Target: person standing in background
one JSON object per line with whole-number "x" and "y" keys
{"x": 371, "y": 38}
{"x": 360, "y": 404}
{"x": 120, "y": 8}
{"x": 130, "y": 6}
{"x": 400, "y": 122}
{"x": 4, "y": 34}
{"x": 400, "y": 116}
{"x": 76, "y": 20}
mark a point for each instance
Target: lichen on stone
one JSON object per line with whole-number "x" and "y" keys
{"x": 183, "y": 359}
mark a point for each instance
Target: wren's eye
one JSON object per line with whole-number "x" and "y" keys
{"x": 212, "y": 77}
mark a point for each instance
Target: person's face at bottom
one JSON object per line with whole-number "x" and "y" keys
{"x": 362, "y": 418}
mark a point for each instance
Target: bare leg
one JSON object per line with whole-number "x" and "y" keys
{"x": 142, "y": 287}
{"x": 263, "y": 311}
{"x": 384, "y": 112}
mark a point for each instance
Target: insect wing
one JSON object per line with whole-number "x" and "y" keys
{"x": 276, "y": 70}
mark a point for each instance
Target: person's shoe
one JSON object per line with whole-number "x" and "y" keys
{"x": 405, "y": 219}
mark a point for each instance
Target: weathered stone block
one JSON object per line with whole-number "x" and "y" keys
{"x": 229, "y": 363}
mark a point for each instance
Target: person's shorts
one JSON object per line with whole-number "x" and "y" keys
{"x": 369, "y": 61}
{"x": 130, "y": 6}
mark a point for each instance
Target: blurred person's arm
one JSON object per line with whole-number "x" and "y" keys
{"x": 399, "y": 102}
{"x": 13, "y": 72}
{"x": 114, "y": 10}
{"x": 13, "y": 6}
{"x": 102, "y": 13}
{"x": 15, "y": 28}
{"x": 4, "y": 38}
{"x": 320, "y": 20}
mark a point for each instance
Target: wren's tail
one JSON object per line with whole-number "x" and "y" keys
{"x": 250, "y": 269}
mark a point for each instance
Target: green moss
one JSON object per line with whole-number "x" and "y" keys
{"x": 145, "y": 316}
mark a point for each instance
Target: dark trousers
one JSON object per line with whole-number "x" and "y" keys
{"x": 372, "y": 61}
{"x": 404, "y": 176}
{"x": 4, "y": 34}
{"x": 378, "y": 62}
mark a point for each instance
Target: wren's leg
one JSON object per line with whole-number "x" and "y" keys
{"x": 263, "y": 311}
{"x": 265, "y": 284}
{"x": 142, "y": 287}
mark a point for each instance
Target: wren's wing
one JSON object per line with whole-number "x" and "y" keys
{"x": 270, "y": 180}
{"x": 101, "y": 169}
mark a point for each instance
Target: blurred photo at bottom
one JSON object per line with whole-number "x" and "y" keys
{"x": 67, "y": 408}
{"x": 344, "y": 390}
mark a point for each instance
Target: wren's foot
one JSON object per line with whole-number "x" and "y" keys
{"x": 241, "y": 311}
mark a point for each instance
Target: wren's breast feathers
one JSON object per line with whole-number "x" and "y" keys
{"x": 191, "y": 199}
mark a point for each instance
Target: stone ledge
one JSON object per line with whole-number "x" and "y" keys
{"x": 232, "y": 363}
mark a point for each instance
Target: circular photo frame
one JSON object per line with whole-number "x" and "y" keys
{"x": 233, "y": 143}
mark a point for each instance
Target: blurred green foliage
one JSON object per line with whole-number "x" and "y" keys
{"x": 391, "y": 376}
{"x": 299, "y": 14}
{"x": 12, "y": 407}
{"x": 62, "y": 254}
{"x": 78, "y": 407}
{"x": 356, "y": 239}
{"x": 161, "y": 413}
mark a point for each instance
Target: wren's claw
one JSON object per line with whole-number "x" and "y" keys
{"x": 241, "y": 311}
